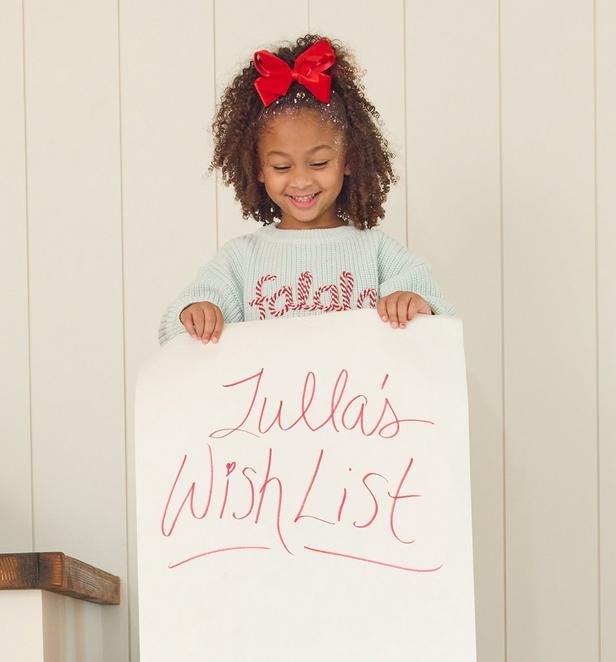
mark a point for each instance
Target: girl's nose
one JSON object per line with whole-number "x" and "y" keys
{"x": 301, "y": 178}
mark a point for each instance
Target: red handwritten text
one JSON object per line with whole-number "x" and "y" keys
{"x": 344, "y": 411}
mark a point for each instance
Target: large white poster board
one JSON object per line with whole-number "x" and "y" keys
{"x": 303, "y": 493}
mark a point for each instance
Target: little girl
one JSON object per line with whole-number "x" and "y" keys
{"x": 300, "y": 143}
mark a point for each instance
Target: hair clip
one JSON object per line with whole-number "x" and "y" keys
{"x": 277, "y": 76}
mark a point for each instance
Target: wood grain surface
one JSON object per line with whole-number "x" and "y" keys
{"x": 54, "y": 571}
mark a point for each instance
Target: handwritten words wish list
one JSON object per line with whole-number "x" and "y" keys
{"x": 303, "y": 492}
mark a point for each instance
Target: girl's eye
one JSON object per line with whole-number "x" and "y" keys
{"x": 315, "y": 165}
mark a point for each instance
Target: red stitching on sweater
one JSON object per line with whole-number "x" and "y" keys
{"x": 259, "y": 300}
{"x": 339, "y": 296}
{"x": 370, "y": 294}
{"x": 346, "y": 285}
{"x": 271, "y": 302}
{"x": 333, "y": 298}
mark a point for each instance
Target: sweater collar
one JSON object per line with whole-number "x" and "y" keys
{"x": 312, "y": 235}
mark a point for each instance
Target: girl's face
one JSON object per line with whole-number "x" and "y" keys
{"x": 302, "y": 164}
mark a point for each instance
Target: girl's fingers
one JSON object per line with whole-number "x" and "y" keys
{"x": 399, "y": 307}
{"x": 187, "y": 321}
{"x": 381, "y": 308}
{"x": 403, "y": 308}
{"x": 203, "y": 321}
{"x": 412, "y": 308}
{"x": 218, "y": 325}
{"x": 209, "y": 323}
{"x": 198, "y": 322}
{"x": 392, "y": 310}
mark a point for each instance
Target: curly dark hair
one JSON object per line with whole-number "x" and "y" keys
{"x": 240, "y": 117}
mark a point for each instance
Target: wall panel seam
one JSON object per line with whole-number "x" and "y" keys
{"x": 28, "y": 306}
{"x": 502, "y": 287}
{"x": 405, "y": 129}
{"x": 122, "y": 261}
{"x": 597, "y": 348}
{"x": 216, "y": 179}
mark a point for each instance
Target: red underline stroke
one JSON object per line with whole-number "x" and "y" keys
{"x": 213, "y": 551}
{"x": 384, "y": 563}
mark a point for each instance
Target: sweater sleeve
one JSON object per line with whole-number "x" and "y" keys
{"x": 219, "y": 281}
{"x": 402, "y": 270}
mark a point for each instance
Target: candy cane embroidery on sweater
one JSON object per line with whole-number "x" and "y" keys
{"x": 327, "y": 298}
{"x": 272, "y": 273}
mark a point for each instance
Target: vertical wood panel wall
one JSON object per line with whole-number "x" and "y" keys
{"x": 501, "y": 116}
{"x": 550, "y": 330}
{"x": 454, "y": 220}
{"x": 605, "y": 155}
{"x": 167, "y": 96}
{"x": 15, "y": 450}
{"x": 76, "y": 289}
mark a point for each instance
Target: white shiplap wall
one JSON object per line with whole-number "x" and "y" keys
{"x": 550, "y": 330}
{"x": 605, "y": 209}
{"x": 501, "y": 114}
{"x": 75, "y": 290}
{"x": 169, "y": 210}
{"x": 454, "y": 220}
{"x": 15, "y": 474}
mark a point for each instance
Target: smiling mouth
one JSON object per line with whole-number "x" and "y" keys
{"x": 304, "y": 200}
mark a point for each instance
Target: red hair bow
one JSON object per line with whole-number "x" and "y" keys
{"x": 276, "y": 75}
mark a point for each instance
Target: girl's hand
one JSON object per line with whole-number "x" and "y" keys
{"x": 203, "y": 320}
{"x": 399, "y": 307}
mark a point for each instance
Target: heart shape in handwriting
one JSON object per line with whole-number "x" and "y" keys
{"x": 230, "y": 467}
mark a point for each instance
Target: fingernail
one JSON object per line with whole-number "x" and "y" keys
{"x": 384, "y": 318}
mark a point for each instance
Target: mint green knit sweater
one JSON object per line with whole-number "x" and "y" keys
{"x": 275, "y": 273}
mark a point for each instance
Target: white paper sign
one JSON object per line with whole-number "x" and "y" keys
{"x": 303, "y": 493}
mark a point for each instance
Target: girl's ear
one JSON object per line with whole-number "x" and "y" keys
{"x": 260, "y": 176}
{"x": 347, "y": 169}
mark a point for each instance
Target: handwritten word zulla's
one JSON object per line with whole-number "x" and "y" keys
{"x": 339, "y": 296}
{"x": 185, "y": 487}
{"x": 343, "y": 410}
